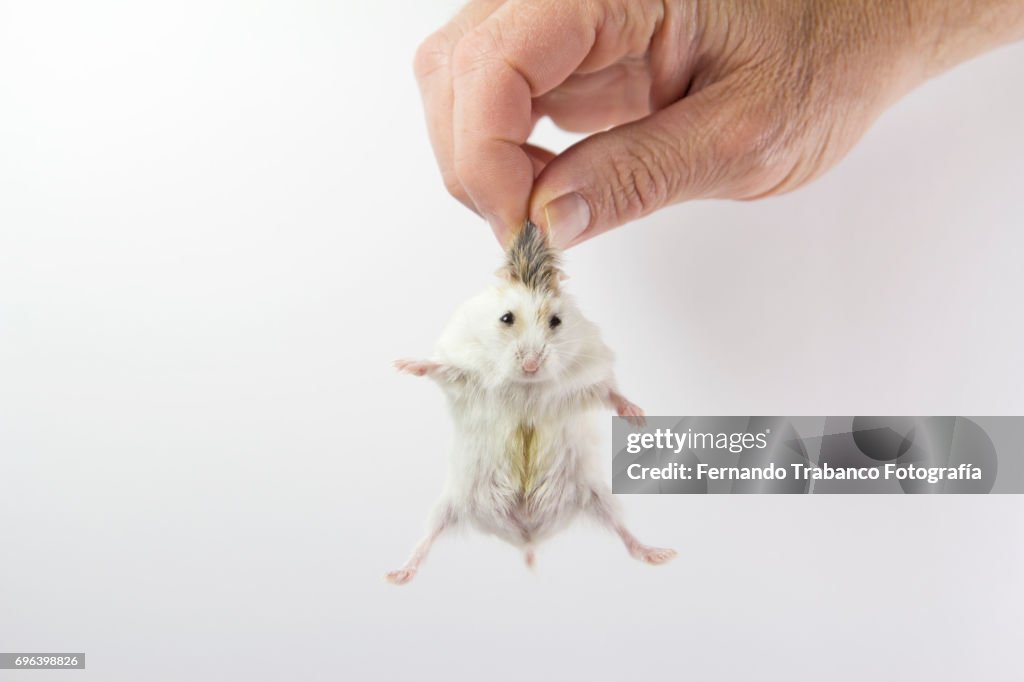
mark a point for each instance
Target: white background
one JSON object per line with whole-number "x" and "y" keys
{"x": 220, "y": 222}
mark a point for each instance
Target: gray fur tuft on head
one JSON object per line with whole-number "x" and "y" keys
{"x": 532, "y": 261}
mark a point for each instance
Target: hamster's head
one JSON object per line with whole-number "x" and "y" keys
{"x": 524, "y": 328}
{"x": 530, "y": 336}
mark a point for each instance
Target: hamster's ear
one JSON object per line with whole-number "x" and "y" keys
{"x": 505, "y": 274}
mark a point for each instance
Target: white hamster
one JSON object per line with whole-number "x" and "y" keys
{"x": 523, "y": 372}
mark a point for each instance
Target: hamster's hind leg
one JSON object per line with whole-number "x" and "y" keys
{"x": 442, "y": 520}
{"x": 624, "y": 408}
{"x": 603, "y": 508}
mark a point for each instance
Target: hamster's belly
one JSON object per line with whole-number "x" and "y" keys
{"x": 527, "y": 479}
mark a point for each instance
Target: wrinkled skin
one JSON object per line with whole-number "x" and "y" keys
{"x": 693, "y": 98}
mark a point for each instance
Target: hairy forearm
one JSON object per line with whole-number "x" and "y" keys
{"x": 952, "y": 31}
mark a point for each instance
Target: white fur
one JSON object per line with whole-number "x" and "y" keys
{"x": 490, "y": 397}
{"x": 479, "y": 364}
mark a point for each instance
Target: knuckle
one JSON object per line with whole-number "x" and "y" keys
{"x": 645, "y": 179}
{"x": 454, "y": 186}
{"x": 432, "y": 55}
{"x": 631, "y": 22}
{"x": 747, "y": 140}
{"x": 457, "y": 189}
{"x": 754, "y": 147}
{"x": 475, "y": 49}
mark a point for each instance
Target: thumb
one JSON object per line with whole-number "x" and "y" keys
{"x": 697, "y": 147}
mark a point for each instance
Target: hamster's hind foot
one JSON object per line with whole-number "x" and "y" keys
{"x": 630, "y": 411}
{"x": 653, "y": 555}
{"x": 530, "y": 557}
{"x": 401, "y": 576}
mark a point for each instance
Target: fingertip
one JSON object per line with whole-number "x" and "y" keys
{"x": 498, "y": 178}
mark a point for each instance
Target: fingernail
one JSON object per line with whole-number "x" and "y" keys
{"x": 568, "y": 217}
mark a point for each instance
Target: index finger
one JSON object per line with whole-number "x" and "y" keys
{"x": 520, "y": 52}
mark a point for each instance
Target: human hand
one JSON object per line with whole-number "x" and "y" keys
{"x": 695, "y": 98}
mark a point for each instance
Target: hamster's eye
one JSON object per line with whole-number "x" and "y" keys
{"x": 508, "y": 318}
{"x": 555, "y": 321}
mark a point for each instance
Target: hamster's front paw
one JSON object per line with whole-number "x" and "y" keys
{"x": 417, "y": 368}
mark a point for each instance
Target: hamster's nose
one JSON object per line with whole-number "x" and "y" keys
{"x": 531, "y": 363}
